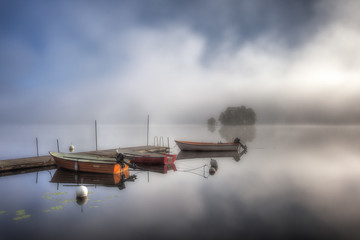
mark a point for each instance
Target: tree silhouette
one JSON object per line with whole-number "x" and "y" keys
{"x": 238, "y": 116}
{"x": 211, "y": 121}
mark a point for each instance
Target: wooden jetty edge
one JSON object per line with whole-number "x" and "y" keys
{"x": 47, "y": 161}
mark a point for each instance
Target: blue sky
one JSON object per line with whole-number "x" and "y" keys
{"x": 179, "y": 61}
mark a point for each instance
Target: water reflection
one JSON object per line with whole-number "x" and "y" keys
{"x": 299, "y": 182}
{"x": 62, "y": 176}
{"x": 211, "y": 127}
{"x": 159, "y": 168}
{"x": 246, "y": 133}
{"x": 182, "y": 155}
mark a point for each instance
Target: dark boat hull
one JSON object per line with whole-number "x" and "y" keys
{"x": 153, "y": 158}
{"x": 207, "y": 147}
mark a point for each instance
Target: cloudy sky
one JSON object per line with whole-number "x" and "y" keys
{"x": 180, "y": 61}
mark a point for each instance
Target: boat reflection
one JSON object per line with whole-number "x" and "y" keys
{"x": 194, "y": 154}
{"x": 63, "y": 176}
{"x": 162, "y": 168}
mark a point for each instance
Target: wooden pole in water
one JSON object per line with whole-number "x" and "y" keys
{"x": 168, "y": 144}
{"x": 147, "y": 136}
{"x": 96, "y": 134}
{"x": 57, "y": 142}
{"x": 37, "y": 146}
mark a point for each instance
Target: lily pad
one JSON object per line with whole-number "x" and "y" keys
{"x": 21, "y": 217}
{"x": 69, "y": 200}
{"x": 2, "y": 212}
{"x": 59, "y": 193}
{"x": 20, "y": 212}
{"x": 58, "y": 207}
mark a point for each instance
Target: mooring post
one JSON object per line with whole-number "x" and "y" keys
{"x": 147, "y": 136}
{"x": 57, "y": 142}
{"x": 96, "y": 136}
{"x": 168, "y": 144}
{"x": 37, "y": 146}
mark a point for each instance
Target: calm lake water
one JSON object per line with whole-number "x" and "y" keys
{"x": 295, "y": 182}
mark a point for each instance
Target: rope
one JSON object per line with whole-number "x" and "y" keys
{"x": 187, "y": 170}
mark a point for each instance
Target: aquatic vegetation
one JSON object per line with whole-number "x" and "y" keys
{"x": 21, "y": 217}
{"x": 68, "y": 200}
{"x": 2, "y": 212}
{"x": 58, "y": 207}
{"x": 112, "y": 196}
{"x": 50, "y": 196}
{"x": 59, "y": 193}
{"x": 20, "y": 212}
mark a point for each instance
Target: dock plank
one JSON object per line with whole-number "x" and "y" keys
{"x": 46, "y": 161}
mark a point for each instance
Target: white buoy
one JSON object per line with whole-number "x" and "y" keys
{"x": 81, "y": 192}
{"x": 71, "y": 148}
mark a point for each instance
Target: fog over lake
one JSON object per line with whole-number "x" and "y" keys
{"x": 293, "y": 65}
{"x": 180, "y": 61}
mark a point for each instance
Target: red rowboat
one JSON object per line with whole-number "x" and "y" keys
{"x": 87, "y": 163}
{"x": 150, "y": 158}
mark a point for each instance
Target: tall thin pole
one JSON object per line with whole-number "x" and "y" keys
{"x": 147, "y": 136}
{"x": 37, "y": 146}
{"x": 96, "y": 136}
{"x": 168, "y": 144}
{"x": 57, "y": 141}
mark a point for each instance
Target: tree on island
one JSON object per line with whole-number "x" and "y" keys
{"x": 211, "y": 121}
{"x": 236, "y": 122}
{"x": 238, "y": 116}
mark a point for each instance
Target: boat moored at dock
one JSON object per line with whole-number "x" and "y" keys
{"x": 87, "y": 163}
{"x": 209, "y": 147}
{"x": 148, "y": 158}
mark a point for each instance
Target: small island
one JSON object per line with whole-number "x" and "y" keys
{"x": 235, "y": 116}
{"x": 236, "y": 122}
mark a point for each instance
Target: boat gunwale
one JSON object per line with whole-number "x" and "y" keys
{"x": 82, "y": 158}
{"x": 207, "y": 143}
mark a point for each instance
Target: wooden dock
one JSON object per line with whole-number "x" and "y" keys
{"x": 47, "y": 161}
